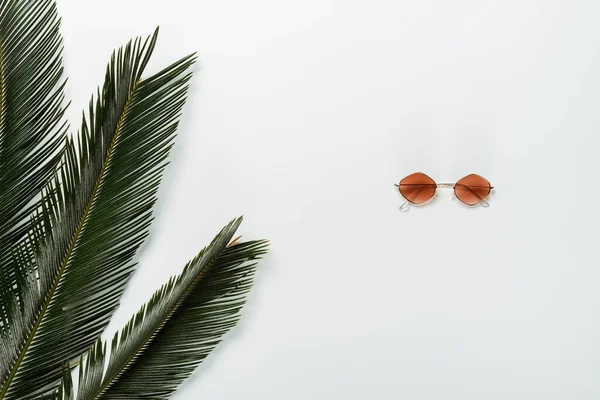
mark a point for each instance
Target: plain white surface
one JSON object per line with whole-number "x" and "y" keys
{"x": 303, "y": 114}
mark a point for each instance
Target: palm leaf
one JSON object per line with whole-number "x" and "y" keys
{"x": 180, "y": 325}
{"x": 31, "y": 116}
{"x": 72, "y": 268}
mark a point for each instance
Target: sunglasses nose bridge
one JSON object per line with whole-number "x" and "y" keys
{"x": 450, "y": 185}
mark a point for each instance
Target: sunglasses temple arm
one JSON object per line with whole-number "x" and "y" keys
{"x": 404, "y": 206}
{"x": 481, "y": 199}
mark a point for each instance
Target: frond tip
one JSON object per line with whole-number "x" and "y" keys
{"x": 181, "y": 324}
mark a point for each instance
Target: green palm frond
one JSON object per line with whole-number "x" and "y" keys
{"x": 31, "y": 116}
{"x": 180, "y": 325}
{"x": 73, "y": 213}
{"x": 72, "y": 267}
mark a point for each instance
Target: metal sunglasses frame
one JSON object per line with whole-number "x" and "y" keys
{"x": 482, "y": 200}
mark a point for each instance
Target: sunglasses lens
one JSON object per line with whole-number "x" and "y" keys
{"x": 472, "y": 189}
{"x": 417, "y": 188}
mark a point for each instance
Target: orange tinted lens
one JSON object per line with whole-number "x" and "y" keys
{"x": 417, "y": 188}
{"x": 472, "y": 189}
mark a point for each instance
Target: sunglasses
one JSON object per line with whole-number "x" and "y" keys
{"x": 418, "y": 188}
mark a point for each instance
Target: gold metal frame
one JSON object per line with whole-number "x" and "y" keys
{"x": 482, "y": 201}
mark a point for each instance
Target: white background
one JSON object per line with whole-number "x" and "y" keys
{"x": 303, "y": 114}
